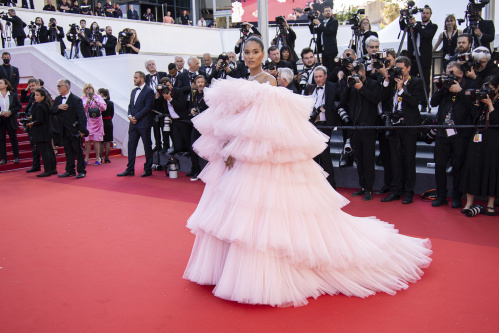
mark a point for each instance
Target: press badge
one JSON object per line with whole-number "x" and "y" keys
{"x": 477, "y": 137}
{"x": 451, "y": 132}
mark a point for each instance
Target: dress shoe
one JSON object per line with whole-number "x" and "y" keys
{"x": 194, "y": 177}
{"x": 390, "y": 197}
{"x": 164, "y": 150}
{"x": 359, "y": 192}
{"x": 81, "y": 175}
{"x": 66, "y": 174}
{"x": 190, "y": 174}
{"x": 53, "y": 172}
{"x": 156, "y": 149}
{"x": 45, "y": 174}
{"x": 383, "y": 190}
{"x": 33, "y": 170}
{"x": 146, "y": 174}
{"x": 126, "y": 173}
{"x": 368, "y": 196}
{"x": 107, "y": 160}
{"x": 3, "y": 162}
{"x": 16, "y": 160}
{"x": 407, "y": 199}
{"x": 439, "y": 202}
{"x": 456, "y": 203}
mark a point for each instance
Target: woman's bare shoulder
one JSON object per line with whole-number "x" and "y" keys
{"x": 271, "y": 79}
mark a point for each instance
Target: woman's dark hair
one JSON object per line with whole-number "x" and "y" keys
{"x": 493, "y": 80}
{"x": 287, "y": 48}
{"x": 365, "y": 19}
{"x": 105, "y": 92}
{"x": 44, "y": 93}
{"x": 7, "y": 83}
{"x": 256, "y": 40}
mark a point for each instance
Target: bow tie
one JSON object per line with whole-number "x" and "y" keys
{"x": 138, "y": 88}
{"x": 319, "y": 88}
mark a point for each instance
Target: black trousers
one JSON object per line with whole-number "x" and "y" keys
{"x": 134, "y": 135}
{"x": 6, "y": 128}
{"x": 196, "y": 168}
{"x": 181, "y": 135}
{"x": 328, "y": 61}
{"x": 35, "y": 153}
{"x": 403, "y": 156}
{"x": 453, "y": 147}
{"x": 364, "y": 146}
{"x": 324, "y": 159}
{"x": 384, "y": 154}
{"x": 72, "y": 150}
{"x": 20, "y": 41}
{"x": 45, "y": 149}
{"x": 158, "y": 129}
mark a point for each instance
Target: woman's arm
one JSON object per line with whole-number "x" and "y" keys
{"x": 439, "y": 41}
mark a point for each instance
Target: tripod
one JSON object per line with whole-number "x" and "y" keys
{"x": 354, "y": 43}
{"x": 75, "y": 50}
{"x": 313, "y": 41}
{"x": 33, "y": 36}
{"x": 280, "y": 37}
{"x": 410, "y": 28}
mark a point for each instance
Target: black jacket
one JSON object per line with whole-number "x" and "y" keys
{"x": 290, "y": 41}
{"x": 40, "y": 131}
{"x": 159, "y": 76}
{"x": 14, "y": 107}
{"x": 109, "y": 111}
{"x": 11, "y": 74}
{"x": 426, "y": 34}
{"x": 132, "y": 14}
{"x": 110, "y": 45}
{"x": 57, "y": 34}
{"x": 363, "y": 45}
{"x": 489, "y": 33}
{"x": 362, "y": 104}
{"x": 178, "y": 102}
{"x": 43, "y": 34}
{"x": 186, "y": 79}
{"x": 17, "y": 25}
{"x": 412, "y": 96}
{"x": 293, "y": 88}
{"x": 72, "y": 120}
{"x": 489, "y": 70}
{"x": 331, "y": 91}
{"x": 328, "y": 31}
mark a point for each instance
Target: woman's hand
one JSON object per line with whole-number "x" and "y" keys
{"x": 229, "y": 162}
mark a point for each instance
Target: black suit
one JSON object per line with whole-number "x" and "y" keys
{"x": 181, "y": 130}
{"x": 293, "y": 88}
{"x": 8, "y": 125}
{"x": 29, "y": 107}
{"x": 403, "y": 142}
{"x": 17, "y": 28}
{"x": 288, "y": 41}
{"x": 187, "y": 78}
{"x": 57, "y": 35}
{"x": 71, "y": 122}
{"x": 83, "y": 40}
{"x": 326, "y": 42}
{"x": 425, "y": 34}
{"x": 43, "y": 34}
{"x": 132, "y": 14}
{"x": 158, "y": 75}
{"x": 110, "y": 45}
{"x": 158, "y": 121}
{"x": 141, "y": 110}
{"x": 488, "y": 34}
{"x": 332, "y": 119}
{"x": 11, "y": 74}
{"x": 41, "y": 135}
{"x": 203, "y": 69}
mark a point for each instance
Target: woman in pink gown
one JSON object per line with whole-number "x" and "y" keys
{"x": 269, "y": 228}
{"x": 95, "y": 124}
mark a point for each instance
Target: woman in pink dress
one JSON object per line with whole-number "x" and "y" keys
{"x": 269, "y": 228}
{"x": 93, "y": 105}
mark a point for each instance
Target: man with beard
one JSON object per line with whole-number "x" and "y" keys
{"x": 108, "y": 42}
{"x": 326, "y": 37}
{"x": 306, "y": 76}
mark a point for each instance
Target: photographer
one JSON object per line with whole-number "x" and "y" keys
{"x": 56, "y": 33}
{"x": 223, "y": 68}
{"x": 128, "y": 43}
{"x": 424, "y": 32}
{"x": 285, "y": 79}
{"x": 454, "y": 108}
{"x": 326, "y": 37}
{"x": 245, "y": 34}
{"x": 89, "y": 44}
{"x": 187, "y": 78}
{"x": 195, "y": 106}
{"x": 17, "y": 26}
{"x": 285, "y": 37}
{"x": 343, "y": 67}
{"x": 484, "y": 66}
{"x": 365, "y": 32}
{"x": 41, "y": 33}
{"x": 152, "y": 80}
{"x": 276, "y": 62}
{"x": 108, "y": 42}
{"x": 403, "y": 94}
{"x": 306, "y": 76}
{"x": 325, "y": 94}
{"x": 483, "y": 31}
{"x": 464, "y": 42}
{"x": 75, "y": 35}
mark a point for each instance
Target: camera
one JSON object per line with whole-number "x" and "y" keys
{"x": 431, "y": 136}
{"x": 24, "y": 119}
{"x": 162, "y": 89}
{"x": 395, "y": 73}
{"x": 73, "y": 29}
{"x": 445, "y": 81}
{"x": 78, "y": 135}
{"x": 312, "y": 15}
{"x": 52, "y": 25}
{"x": 269, "y": 65}
{"x": 196, "y": 112}
{"x": 279, "y": 20}
{"x": 396, "y": 118}
{"x": 32, "y": 26}
{"x": 355, "y": 21}
{"x": 345, "y": 118}
{"x": 472, "y": 13}
{"x": 315, "y": 113}
{"x": 244, "y": 29}
{"x": 125, "y": 36}
{"x": 411, "y": 10}
{"x": 344, "y": 62}
{"x": 380, "y": 58}
{"x": 479, "y": 94}
{"x": 469, "y": 62}
{"x": 354, "y": 79}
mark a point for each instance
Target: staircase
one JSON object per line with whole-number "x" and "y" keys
{"x": 25, "y": 155}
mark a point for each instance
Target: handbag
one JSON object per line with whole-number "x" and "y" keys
{"x": 94, "y": 112}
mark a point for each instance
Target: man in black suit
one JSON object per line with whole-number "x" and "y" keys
{"x": 9, "y": 125}
{"x": 324, "y": 93}
{"x": 287, "y": 37}
{"x": 9, "y": 72}
{"x": 275, "y": 58}
{"x": 424, "y": 32}
{"x": 361, "y": 100}
{"x": 187, "y": 78}
{"x": 41, "y": 31}
{"x": 326, "y": 37}
{"x": 73, "y": 126}
{"x": 173, "y": 75}
{"x": 140, "y": 116}
{"x": 17, "y": 26}
{"x": 152, "y": 80}
{"x": 248, "y": 30}
{"x": 153, "y": 76}
{"x": 28, "y": 4}
{"x": 132, "y": 13}
{"x": 83, "y": 34}
{"x": 179, "y": 62}
{"x": 483, "y": 34}
{"x": 285, "y": 79}
{"x": 208, "y": 66}
{"x": 108, "y": 42}
{"x": 403, "y": 96}
{"x": 56, "y": 33}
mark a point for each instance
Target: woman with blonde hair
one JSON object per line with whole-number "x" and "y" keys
{"x": 449, "y": 38}
{"x": 93, "y": 105}
{"x": 133, "y": 47}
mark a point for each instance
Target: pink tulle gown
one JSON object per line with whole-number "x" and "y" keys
{"x": 271, "y": 229}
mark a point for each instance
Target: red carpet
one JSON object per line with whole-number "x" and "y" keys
{"x": 106, "y": 254}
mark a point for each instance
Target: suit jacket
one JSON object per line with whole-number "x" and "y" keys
{"x": 425, "y": 34}
{"x": 159, "y": 76}
{"x": 331, "y": 91}
{"x": 363, "y": 45}
{"x": 175, "y": 81}
{"x": 141, "y": 109}
{"x": 40, "y": 132}
{"x": 11, "y": 74}
{"x": 72, "y": 120}
{"x": 110, "y": 45}
{"x": 43, "y": 34}
{"x": 179, "y": 103}
{"x": 213, "y": 68}
{"x": 293, "y": 88}
{"x": 17, "y": 26}
{"x": 186, "y": 80}
{"x": 489, "y": 33}
{"x": 15, "y": 107}
{"x": 25, "y": 4}
{"x": 328, "y": 31}
{"x": 362, "y": 104}
{"x": 132, "y": 14}
{"x": 412, "y": 96}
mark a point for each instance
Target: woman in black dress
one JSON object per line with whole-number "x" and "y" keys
{"x": 40, "y": 131}
{"x": 287, "y": 55}
{"x": 481, "y": 170}
{"x": 107, "y": 118}
{"x": 449, "y": 38}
